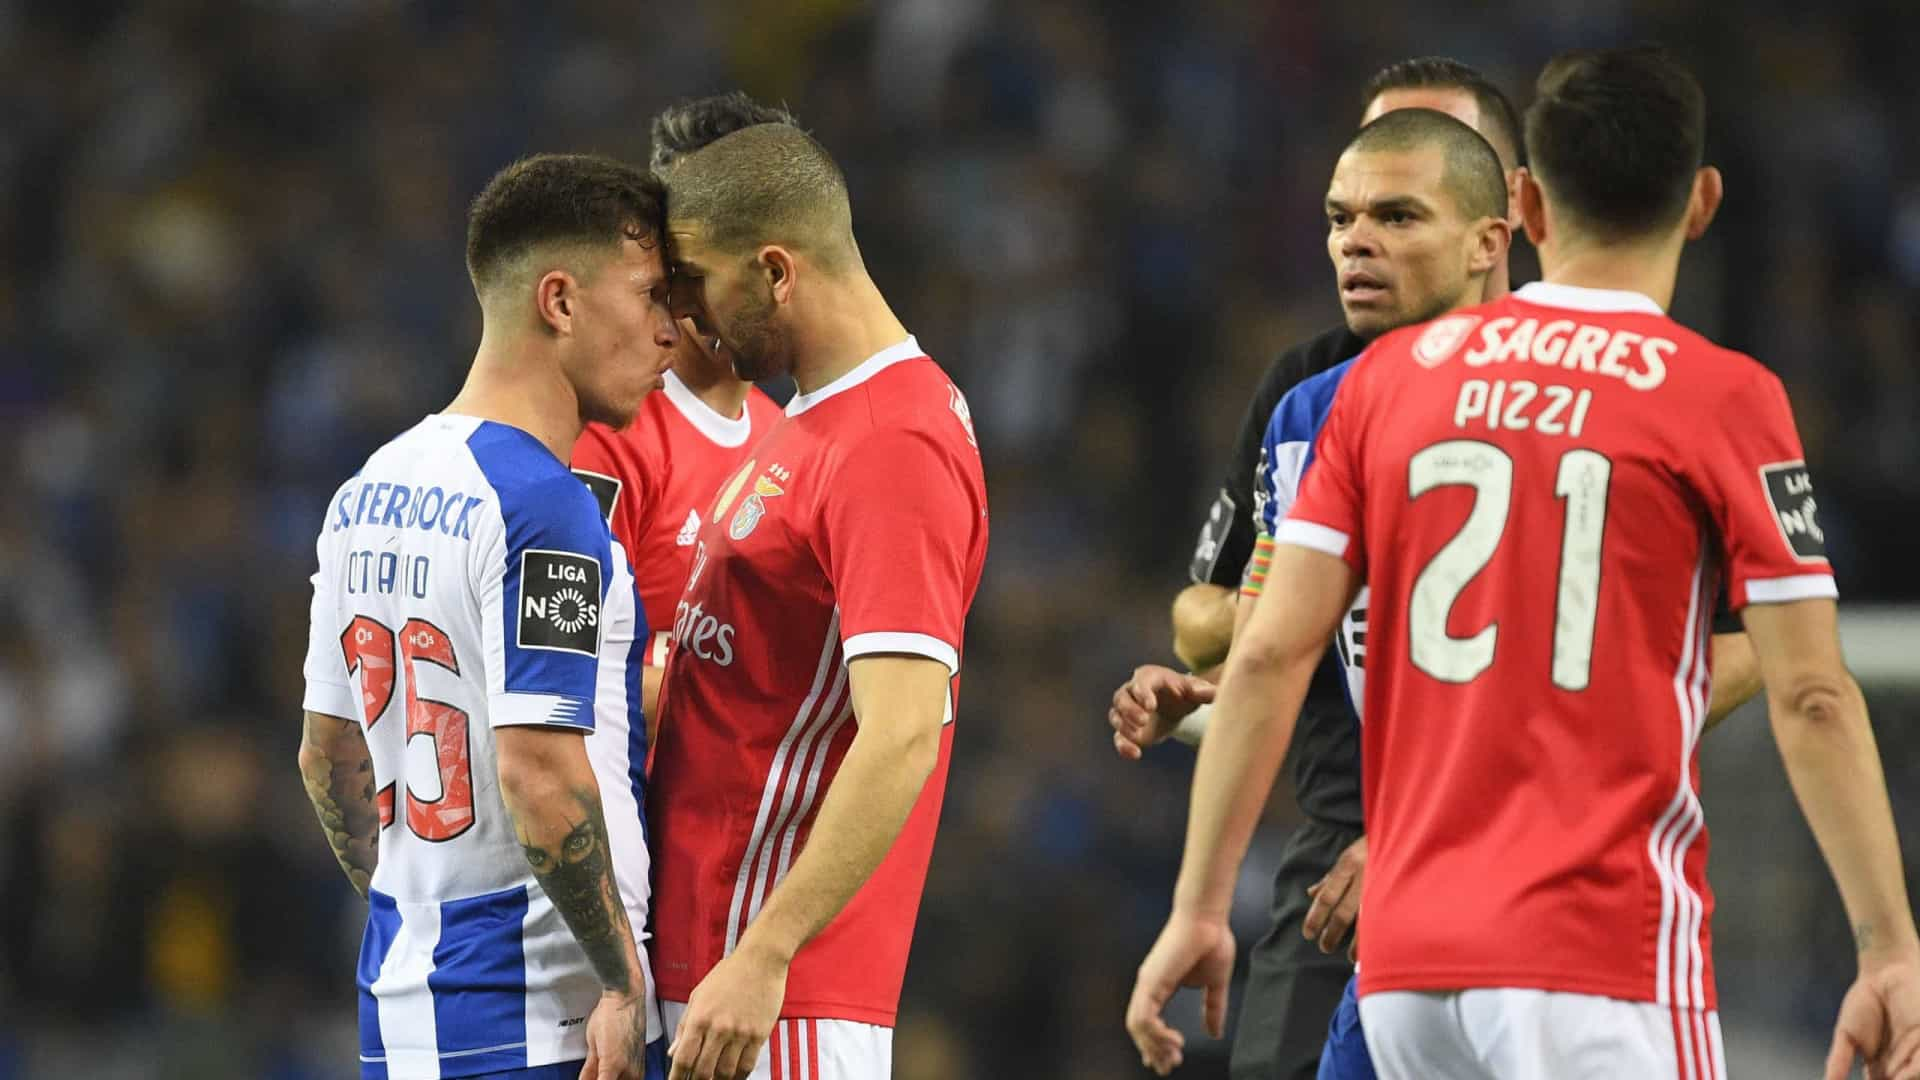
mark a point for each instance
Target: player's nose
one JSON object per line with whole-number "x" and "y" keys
{"x": 666, "y": 332}
{"x": 1359, "y": 239}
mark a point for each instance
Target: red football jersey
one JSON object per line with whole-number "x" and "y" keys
{"x": 655, "y": 477}
{"x": 1543, "y": 493}
{"x": 858, "y": 526}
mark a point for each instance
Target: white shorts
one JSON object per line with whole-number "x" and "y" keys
{"x": 802, "y": 1049}
{"x": 1524, "y": 1034}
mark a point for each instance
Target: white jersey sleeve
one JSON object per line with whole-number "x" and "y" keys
{"x": 329, "y": 683}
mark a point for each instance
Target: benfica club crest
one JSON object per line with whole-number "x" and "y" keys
{"x": 747, "y": 518}
{"x": 1442, "y": 338}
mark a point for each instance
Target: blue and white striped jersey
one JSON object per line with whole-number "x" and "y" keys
{"x": 1285, "y": 453}
{"x": 467, "y": 581}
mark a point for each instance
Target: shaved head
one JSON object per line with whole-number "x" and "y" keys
{"x": 1474, "y": 179}
{"x": 764, "y": 184}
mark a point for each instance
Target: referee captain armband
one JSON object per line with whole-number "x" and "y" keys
{"x": 1255, "y": 579}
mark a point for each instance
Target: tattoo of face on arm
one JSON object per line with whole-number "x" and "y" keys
{"x": 339, "y": 783}
{"x": 578, "y": 877}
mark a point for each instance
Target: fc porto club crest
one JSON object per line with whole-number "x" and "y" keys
{"x": 747, "y": 518}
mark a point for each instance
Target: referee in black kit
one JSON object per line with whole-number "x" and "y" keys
{"x": 1293, "y": 983}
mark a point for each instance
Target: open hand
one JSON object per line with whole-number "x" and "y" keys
{"x": 1190, "y": 952}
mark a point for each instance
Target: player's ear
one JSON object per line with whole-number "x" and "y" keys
{"x": 1531, "y": 205}
{"x": 777, "y": 263}
{"x": 1708, "y": 188}
{"x": 1491, "y": 237}
{"x": 553, "y": 298}
{"x": 1514, "y": 176}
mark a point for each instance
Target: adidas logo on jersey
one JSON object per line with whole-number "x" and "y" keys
{"x": 690, "y": 531}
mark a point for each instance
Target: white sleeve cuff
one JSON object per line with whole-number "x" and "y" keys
{"x": 1193, "y": 727}
{"x": 329, "y": 699}
{"x": 557, "y": 710}
{"x": 1783, "y": 590}
{"x": 1307, "y": 534}
{"x": 888, "y": 641}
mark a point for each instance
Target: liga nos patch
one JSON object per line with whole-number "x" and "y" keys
{"x": 559, "y": 602}
{"x": 1790, "y": 495}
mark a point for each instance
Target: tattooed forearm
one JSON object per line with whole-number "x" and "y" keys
{"x": 1863, "y": 937}
{"x": 338, "y": 773}
{"x": 568, "y": 853}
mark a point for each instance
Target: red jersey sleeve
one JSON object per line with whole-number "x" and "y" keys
{"x": 1760, "y": 496}
{"x": 1329, "y": 513}
{"x": 604, "y": 461}
{"x": 900, "y": 524}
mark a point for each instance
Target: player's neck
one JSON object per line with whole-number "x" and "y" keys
{"x": 850, "y": 323}
{"x": 712, "y": 381}
{"x": 1649, "y": 268}
{"x": 508, "y": 387}
{"x": 1499, "y": 283}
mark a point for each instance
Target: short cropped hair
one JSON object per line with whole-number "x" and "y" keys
{"x": 1473, "y": 176}
{"x": 766, "y": 184}
{"x": 686, "y": 126}
{"x": 1616, "y": 135}
{"x": 1445, "y": 73}
{"x": 560, "y": 200}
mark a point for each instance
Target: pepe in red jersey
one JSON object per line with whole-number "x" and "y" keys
{"x": 810, "y": 688}
{"x": 1543, "y": 495}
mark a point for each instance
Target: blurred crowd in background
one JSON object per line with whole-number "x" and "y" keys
{"x": 233, "y": 234}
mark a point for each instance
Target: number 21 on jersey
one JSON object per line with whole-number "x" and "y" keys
{"x": 1582, "y": 484}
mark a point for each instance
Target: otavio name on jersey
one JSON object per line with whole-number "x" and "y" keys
{"x": 402, "y": 507}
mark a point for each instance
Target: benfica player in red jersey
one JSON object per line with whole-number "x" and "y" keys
{"x": 1544, "y": 493}
{"x": 805, "y": 733}
{"x": 656, "y": 476}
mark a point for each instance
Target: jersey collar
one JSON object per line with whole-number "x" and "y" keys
{"x": 871, "y": 366}
{"x": 1581, "y": 298}
{"x": 721, "y": 430}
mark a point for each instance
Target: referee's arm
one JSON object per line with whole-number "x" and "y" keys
{"x": 1203, "y": 612}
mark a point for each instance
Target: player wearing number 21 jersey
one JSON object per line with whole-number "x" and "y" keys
{"x": 1554, "y": 819}
{"x": 1542, "y": 495}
